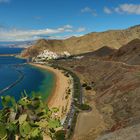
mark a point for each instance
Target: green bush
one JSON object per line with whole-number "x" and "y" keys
{"x": 88, "y": 88}
{"x": 84, "y": 107}
{"x": 84, "y": 85}
{"x": 60, "y": 135}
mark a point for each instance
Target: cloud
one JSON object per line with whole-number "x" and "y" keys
{"x": 64, "y": 37}
{"x": 4, "y": 1}
{"x": 107, "y": 10}
{"x": 81, "y": 29}
{"x": 89, "y": 10}
{"x": 24, "y": 35}
{"x": 128, "y": 9}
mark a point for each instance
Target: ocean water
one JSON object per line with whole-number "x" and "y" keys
{"x": 6, "y": 50}
{"x": 17, "y": 77}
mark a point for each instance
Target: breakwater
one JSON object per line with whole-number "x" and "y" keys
{"x": 8, "y": 55}
{"x": 14, "y": 83}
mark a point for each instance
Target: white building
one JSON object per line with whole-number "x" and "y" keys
{"x": 66, "y": 54}
{"x": 49, "y": 55}
{"x": 46, "y": 55}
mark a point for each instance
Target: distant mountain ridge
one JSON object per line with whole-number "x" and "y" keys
{"x": 90, "y": 42}
{"x": 17, "y": 44}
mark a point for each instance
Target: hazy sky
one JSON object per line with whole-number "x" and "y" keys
{"x": 33, "y": 19}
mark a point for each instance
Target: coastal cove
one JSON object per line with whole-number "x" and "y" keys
{"x": 62, "y": 85}
{"x": 16, "y": 77}
{"x": 55, "y": 85}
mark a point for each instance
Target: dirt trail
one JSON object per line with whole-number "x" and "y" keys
{"x": 89, "y": 125}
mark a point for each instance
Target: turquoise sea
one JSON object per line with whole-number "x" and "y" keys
{"x": 17, "y": 77}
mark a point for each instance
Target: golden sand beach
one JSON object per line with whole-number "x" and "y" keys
{"x": 59, "y": 98}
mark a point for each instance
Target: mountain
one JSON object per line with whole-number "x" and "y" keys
{"x": 106, "y": 67}
{"x": 90, "y": 42}
{"x": 129, "y": 53}
{"x": 113, "y": 93}
{"x": 104, "y": 51}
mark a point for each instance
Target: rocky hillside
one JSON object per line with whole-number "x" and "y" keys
{"x": 113, "y": 93}
{"x": 103, "y": 52}
{"x": 129, "y": 53}
{"x": 90, "y": 42}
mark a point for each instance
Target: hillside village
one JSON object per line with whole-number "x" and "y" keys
{"x": 49, "y": 55}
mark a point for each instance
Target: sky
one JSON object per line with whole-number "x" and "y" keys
{"x": 23, "y": 20}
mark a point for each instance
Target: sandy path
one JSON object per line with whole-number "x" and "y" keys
{"x": 57, "y": 99}
{"x": 89, "y": 124}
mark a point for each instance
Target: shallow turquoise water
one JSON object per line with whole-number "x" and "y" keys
{"x": 35, "y": 80}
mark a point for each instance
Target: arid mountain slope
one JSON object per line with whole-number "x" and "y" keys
{"x": 93, "y": 41}
{"x": 90, "y": 42}
{"x": 129, "y": 53}
{"x": 102, "y": 52}
{"x": 114, "y": 94}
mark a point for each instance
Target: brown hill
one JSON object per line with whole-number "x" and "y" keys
{"x": 99, "y": 53}
{"x": 114, "y": 96}
{"x": 129, "y": 53}
{"x": 90, "y": 42}
{"x": 104, "y": 51}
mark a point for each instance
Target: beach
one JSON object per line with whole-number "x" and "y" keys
{"x": 59, "y": 98}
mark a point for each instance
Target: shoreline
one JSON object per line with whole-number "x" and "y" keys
{"x": 58, "y": 96}
{"x": 44, "y": 67}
